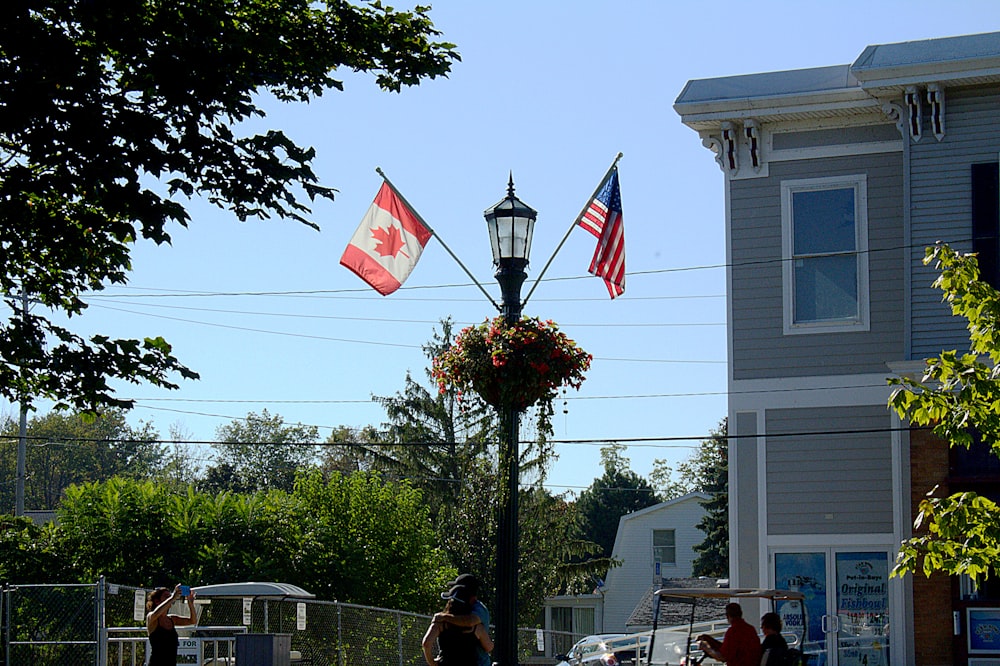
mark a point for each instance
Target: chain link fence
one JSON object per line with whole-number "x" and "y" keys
{"x": 103, "y": 624}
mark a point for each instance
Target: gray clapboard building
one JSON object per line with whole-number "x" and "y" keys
{"x": 835, "y": 181}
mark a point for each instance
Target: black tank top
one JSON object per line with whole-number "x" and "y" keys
{"x": 458, "y": 646}
{"x": 163, "y": 644}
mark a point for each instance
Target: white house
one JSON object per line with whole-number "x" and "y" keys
{"x": 653, "y": 544}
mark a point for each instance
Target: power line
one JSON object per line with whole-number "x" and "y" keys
{"x": 633, "y": 441}
{"x": 410, "y": 288}
{"x": 378, "y": 343}
{"x": 285, "y": 315}
{"x": 632, "y": 396}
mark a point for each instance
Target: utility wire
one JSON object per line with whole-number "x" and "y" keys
{"x": 632, "y": 396}
{"x": 655, "y": 271}
{"x": 633, "y": 441}
{"x": 374, "y": 342}
{"x": 285, "y": 315}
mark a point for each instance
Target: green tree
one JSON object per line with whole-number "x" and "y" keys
{"x": 362, "y": 540}
{"x": 556, "y": 555}
{"x": 118, "y": 111}
{"x": 710, "y": 466}
{"x": 260, "y": 452}
{"x": 432, "y": 438}
{"x": 122, "y": 529}
{"x": 619, "y": 491}
{"x": 29, "y": 553}
{"x": 64, "y": 449}
{"x": 447, "y": 448}
{"x": 346, "y": 450}
{"x": 957, "y": 397}
{"x": 354, "y": 538}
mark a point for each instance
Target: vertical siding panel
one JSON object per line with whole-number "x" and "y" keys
{"x": 743, "y": 491}
{"x": 829, "y": 484}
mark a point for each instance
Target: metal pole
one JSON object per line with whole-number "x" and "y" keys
{"x": 511, "y": 276}
{"x": 102, "y": 624}
{"x": 22, "y": 439}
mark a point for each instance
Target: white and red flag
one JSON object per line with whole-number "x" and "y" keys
{"x": 603, "y": 218}
{"x": 388, "y": 243}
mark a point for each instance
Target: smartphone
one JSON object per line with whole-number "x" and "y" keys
{"x": 185, "y": 591}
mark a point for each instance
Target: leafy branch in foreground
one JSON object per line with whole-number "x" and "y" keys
{"x": 114, "y": 113}
{"x": 958, "y": 397}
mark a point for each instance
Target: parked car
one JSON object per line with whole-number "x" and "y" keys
{"x": 606, "y": 650}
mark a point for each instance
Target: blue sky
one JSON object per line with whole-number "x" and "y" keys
{"x": 552, "y": 92}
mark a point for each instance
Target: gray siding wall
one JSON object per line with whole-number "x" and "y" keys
{"x": 760, "y": 349}
{"x": 941, "y": 206}
{"x": 747, "y": 530}
{"x": 829, "y": 484}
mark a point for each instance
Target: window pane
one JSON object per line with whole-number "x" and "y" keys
{"x": 562, "y": 618}
{"x": 583, "y": 620}
{"x": 824, "y": 221}
{"x": 826, "y": 288}
{"x": 663, "y": 547}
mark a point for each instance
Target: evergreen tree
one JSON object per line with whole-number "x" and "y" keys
{"x": 448, "y": 448}
{"x": 713, "y": 463}
{"x": 619, "y": 491}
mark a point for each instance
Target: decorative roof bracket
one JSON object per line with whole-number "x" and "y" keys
{"x": 911, "y": 98}
{"x": 935, "y": 97}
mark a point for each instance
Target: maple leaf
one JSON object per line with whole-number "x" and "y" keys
{"x": 389, "y": 242}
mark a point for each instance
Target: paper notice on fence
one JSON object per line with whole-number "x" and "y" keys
{"x": 139, "y": 606}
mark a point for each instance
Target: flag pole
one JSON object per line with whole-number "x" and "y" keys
{"x": 413, "y": 210}
{"x": 572, "y": 226}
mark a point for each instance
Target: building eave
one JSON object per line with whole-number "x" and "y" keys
{"x": 829, "y": 104}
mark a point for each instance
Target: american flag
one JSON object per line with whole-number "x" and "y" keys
{"x": 603, "y": 218}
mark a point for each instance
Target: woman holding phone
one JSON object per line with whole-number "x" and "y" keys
{"x": 161, "y": 627}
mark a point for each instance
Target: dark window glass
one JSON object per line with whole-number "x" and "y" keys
{"x": 986, "y": 220}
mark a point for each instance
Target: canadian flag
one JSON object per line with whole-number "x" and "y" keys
{"x": 387, "y": 244}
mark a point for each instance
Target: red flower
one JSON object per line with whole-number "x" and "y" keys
{"x": 527, "y": 362}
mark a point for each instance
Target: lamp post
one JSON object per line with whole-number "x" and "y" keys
{"x": 510, "y": 224}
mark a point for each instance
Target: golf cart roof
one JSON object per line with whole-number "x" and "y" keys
{"x": 692, "y": 594}
{"x": 253, "y": 589}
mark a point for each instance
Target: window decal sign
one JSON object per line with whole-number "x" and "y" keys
{"x": 984, "y": 630}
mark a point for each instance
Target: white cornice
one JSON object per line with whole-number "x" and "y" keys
{"x": 831, "y": 103}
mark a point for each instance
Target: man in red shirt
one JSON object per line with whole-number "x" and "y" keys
{"x": 739, "y": 647}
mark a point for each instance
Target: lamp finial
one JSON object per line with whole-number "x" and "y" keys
{"x": 510, "y": 185}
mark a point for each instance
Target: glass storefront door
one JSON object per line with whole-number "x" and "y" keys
{"x": 847, "y": 623}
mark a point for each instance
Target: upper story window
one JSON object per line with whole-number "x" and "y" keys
{"x": 664, "y": 547}
{"x": 825, "y": 254}
{"x": 986, "y": 220}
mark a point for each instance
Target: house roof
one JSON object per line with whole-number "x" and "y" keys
{"x": 663, "y": 505}
{"x": 747, "y": 87}
{"x": 881, "y": 71}
{"x": 671, "y": 613}
{"x": 955, "y": 52}
{"x": 698, "y": 496}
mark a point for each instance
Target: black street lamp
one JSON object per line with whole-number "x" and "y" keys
{"x": 510, "y": 223}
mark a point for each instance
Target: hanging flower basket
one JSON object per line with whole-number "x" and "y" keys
{"x": 518, "y": 365}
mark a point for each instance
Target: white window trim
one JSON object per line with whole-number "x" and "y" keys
{"x": 788, "y": 187}
{"x": 653, "y": 546}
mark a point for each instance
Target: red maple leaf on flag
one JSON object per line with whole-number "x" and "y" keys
{"x": 389, "y": 242}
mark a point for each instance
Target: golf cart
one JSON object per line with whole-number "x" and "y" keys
{"x": 674, "y": 646}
